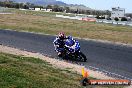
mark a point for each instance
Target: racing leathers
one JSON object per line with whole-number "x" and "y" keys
{"x": 59, "y": 45}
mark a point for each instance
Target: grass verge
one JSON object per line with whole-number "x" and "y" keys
{"x": 44, "y": 22}
{"x": 29, "y": 72}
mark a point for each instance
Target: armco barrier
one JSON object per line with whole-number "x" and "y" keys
{"x": 89, "y": 19}
{"x": 125, "y": 23}
{"x": 68, "y": 17}
{"x": 78, "y": 18}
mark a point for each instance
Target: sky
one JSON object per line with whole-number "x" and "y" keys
{"x": 103, "y": 4}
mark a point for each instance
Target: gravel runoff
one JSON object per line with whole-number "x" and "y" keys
{"x": 55, "y": 62}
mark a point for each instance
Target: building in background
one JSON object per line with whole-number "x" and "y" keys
{"x": 117, "y": 12}
{"x": 37, "y": 9}
{"x": 46, "y": 10}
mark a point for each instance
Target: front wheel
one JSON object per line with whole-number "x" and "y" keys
{"x": 82, "y": 57}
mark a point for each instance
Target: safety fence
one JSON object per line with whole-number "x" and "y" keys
{"x": 125, "y": 23}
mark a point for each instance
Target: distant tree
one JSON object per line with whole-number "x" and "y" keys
{"x": 129, "y": 15}
{"x": 116, "y": 19}
{"x": 49, "y": 7}
{"x": 108, "y": 12}
{"x": 28, "y": 4}
{"x": 67, "y": 9}
{"x": 32, "y": 6}
{"x": 38, "y": 6}
{"x": 102, "y": 17}
{"x": 1, "y": 4}
{"x": 25, "y": 7}
{"x": 98, "y": 13}
{"x": 123, "y": 19}
{"x": 93, "y": 12}
{"x": 21, "y": 5}
{"x": 6, "y": 3}
{"x": 97, "y": 17}
{"x": 108, "y": 18}
{"x": 61, "y": 9}
{"x": 55, "y": 8}
{"x": 72, "y": 11}
{"x": 17, "y": 5}
{"x": 82, "y": 11}
{"x": 76, "y": 11}
{"x": 88, "y": 12}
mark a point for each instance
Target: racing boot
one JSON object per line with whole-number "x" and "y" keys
{"x": 59, "y": 54}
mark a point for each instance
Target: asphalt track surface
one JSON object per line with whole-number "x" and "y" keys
{"x": 115, "y": 60}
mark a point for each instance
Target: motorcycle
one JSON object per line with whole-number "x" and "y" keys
{"x": 72, "y": 50}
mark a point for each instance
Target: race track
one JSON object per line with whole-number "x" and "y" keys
{"x": 104, "y": 57}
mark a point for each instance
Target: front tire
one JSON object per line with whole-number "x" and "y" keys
{"x": 83, "y": 57}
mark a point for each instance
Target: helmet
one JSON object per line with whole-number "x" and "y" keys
{"x": 61, "y": 35}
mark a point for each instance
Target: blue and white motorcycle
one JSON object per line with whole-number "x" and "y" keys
{"x": 71, "y": 50}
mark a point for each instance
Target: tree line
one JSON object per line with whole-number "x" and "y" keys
{"x": 11, "y": 4}
{"x": 55, "y": 8}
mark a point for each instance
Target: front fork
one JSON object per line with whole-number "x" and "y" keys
{"x": 77, "y": 54}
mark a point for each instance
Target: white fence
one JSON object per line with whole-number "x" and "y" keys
{"x": 78, "y": 18}
{"x": 68, "y": 17}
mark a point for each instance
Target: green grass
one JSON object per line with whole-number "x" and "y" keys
{"x": 29, "y": 72}
{"x": 47, "y": 23}
{"x": 38, "y": 13}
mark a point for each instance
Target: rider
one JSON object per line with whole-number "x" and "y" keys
{"x": 59, "y": 43}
